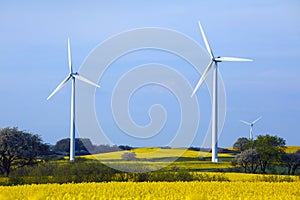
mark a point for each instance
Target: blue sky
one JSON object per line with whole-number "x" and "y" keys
{"x": 33, "y": 60}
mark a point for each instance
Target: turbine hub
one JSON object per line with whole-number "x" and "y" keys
{"x": 214, "y": 59}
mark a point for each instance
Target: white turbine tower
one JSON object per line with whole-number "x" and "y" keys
{"x": 213, "y": 64}
{"x": 72, "y": 75}
{"x": 250, "y": 124}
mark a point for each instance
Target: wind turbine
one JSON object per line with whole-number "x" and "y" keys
{"x": 251, "y": 126}
{"x": 73, "y": 76}
{"x": 213, "y": 64}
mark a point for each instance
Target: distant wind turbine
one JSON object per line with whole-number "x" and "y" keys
{"x": 72, "y": 75}
{"x": 250, "y": 124}
{"x": 213, "y": 64}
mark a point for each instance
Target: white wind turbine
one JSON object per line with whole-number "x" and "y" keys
{"x": 250, "y": 124}
{"x": 72, "y": 75}
{"x": 213, "y": 64}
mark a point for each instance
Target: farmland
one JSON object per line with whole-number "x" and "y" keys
{"x": 156, "y": 153}
{"x": 151, "y": 159}
{"x": 155, "y": 190}
{"x": 155, "y": 158}
{"x": 188, "y": 177}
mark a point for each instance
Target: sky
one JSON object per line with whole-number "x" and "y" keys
{"x": 33, "y": 61}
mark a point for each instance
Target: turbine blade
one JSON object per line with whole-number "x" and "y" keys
{"x": 247, "y": 123}
{"x": 256, "y": 120}
{"x": 59, "y": 86}
{"x": 202, "y": 78}
{"x": 232, "y": 59}
{"x": 205, "y": 41}
{"x": 69, "y": 57}
{"x": 86, "y": 80}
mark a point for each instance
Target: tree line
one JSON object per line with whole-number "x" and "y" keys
{"x": 83, "y": 146}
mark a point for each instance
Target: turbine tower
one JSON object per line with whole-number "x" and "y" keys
{"x": 73, "y": 76}
{"x": 250, "y": 124}
{"x": 213, "y": 64}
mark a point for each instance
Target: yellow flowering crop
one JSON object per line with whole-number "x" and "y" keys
{"x": 155, "y": 190}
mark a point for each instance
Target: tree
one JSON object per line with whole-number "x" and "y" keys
{"x": 62, "y": 146}
{"x": 248, "y": 159}
{"x": 292, "y": 161}
{"x": 266, "y": 149}
{"x": 240, "y": 144}
{"x": 269, "y": 149}
{"x": 125, "y": 147}
{"x": 83, "y": 146}
{"x": 19, "y": 148}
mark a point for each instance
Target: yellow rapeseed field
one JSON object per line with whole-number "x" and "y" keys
{"x": 155, "y": 190}
{"x": 154, "y": 152}
{"x": 292, "y": 149}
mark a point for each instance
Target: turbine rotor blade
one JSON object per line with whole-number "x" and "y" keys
{"x": 205, "y": 41}
{"x": 256, "y": 120}
{"x": 85, "y": 80}
{"x": 247, "y": 123}
{"x": 232, "y": 59}
{"x": 202, "y": 77}
{"x": 69, "y": 57}
{"x": 59, "y": 86}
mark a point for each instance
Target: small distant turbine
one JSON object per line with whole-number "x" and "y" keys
{"x": 213, "y": 65}
{"x": 250, "y": 124}
{"x": 72, "y": 75}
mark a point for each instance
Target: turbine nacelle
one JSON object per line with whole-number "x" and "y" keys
{"x": 217, "y": 59}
